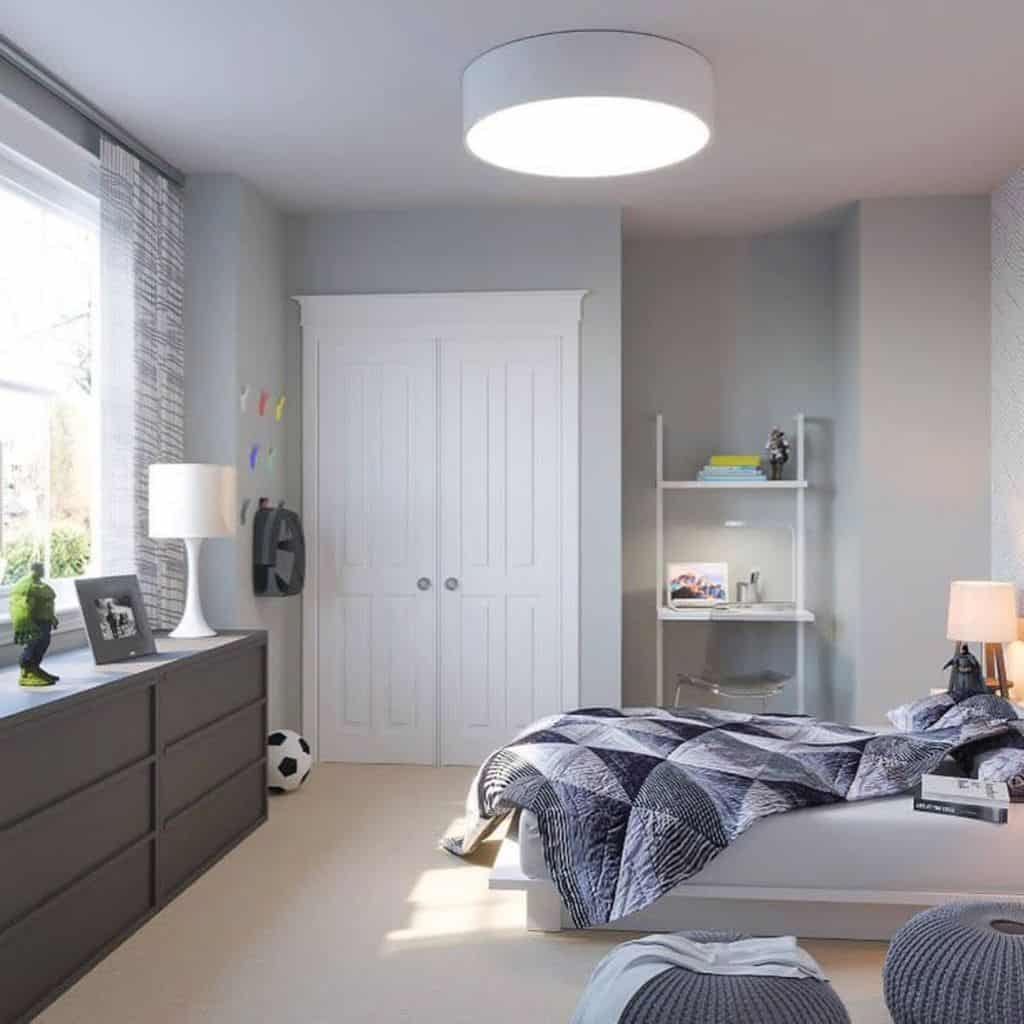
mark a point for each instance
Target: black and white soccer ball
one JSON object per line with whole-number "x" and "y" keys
{"x": 288, "y": 760}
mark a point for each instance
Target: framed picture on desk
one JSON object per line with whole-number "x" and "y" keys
{"x": 696, "y": 583}
{"x": 115, "y": 618}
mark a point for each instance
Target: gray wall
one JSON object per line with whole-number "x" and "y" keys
{"x": 1008, "y": 381}
{"x": 236, "y": 334}
{"x": 726, "y": 338}
{"x": 479, "y": 250}
{"x": 879, "y": 331}
{"x": 918, "y": 508}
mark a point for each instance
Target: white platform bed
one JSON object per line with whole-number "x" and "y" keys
{"x": 846, "y": 871}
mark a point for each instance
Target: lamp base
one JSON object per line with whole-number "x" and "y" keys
{"x": 193, "y": 623}
{"x": 193, "y": 629}
{"x": 995, "y": 669}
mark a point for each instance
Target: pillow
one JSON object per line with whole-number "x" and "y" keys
{"x": 1002, "y": 765}
{"x": 986, "y": 708}
{"x": 940, "y": 711}
{"x": 921, "y": 714}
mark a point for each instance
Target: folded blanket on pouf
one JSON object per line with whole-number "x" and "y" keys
{"x": 629, "y": 803}
{"x": 711, "y": 979}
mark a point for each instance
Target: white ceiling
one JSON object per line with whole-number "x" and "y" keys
{"x": 355, "y": 104}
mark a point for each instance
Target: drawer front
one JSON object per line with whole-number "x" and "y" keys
{"x": 45, "y": 949}
{"x": 205, "y": 759}
{"x": 51, "y": 849}
{"x": 45, "y": 760}
{"x": 207, "y": 829}
{"x": 195, "y": 695}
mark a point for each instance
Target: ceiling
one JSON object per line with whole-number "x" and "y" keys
{"x": 356, "y": 105}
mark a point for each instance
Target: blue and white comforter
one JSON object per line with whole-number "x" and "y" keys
{"x": 631, "y": 803}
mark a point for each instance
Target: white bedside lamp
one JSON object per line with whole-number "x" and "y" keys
{"x": 985, "y": 612}
{"x": 192, "y": 500}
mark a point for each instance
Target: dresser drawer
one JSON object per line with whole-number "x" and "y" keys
{"x": 49, "y": 946}
{"x": 193, "y": 697}
{"x": 204, "y": 759}
{"x": 51, "y": 849}
{"x": 51, "y": 757}
{"x": 208, "y": 828}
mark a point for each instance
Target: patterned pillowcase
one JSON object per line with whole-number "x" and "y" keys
{"x": 1002, "y": 765}
{"x": 940, "y": 711}
{"x": 922, "y": 714}
{"x": 984, "y": 708}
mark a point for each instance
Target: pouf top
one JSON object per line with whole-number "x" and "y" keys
{"x": 680, "y": 996}
{"x": 958, "y": 963}
{"x": 1000, "y": 922}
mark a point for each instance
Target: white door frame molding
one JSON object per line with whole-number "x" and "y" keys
{"x": 558, "y": 313}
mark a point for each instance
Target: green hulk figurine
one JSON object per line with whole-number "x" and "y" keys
{"x": 33, "y": 619}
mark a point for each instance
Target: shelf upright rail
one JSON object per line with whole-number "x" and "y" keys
{"x": 799, "y": 590}
{"x": 660, "y": 592}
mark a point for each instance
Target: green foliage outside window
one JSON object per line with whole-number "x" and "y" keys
{"x": 70, "y": 550}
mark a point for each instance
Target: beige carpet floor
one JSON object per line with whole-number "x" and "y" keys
{"x": 342, "y": 910}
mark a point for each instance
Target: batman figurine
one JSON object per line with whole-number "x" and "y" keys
{"x": 33, "y": 619}
{"x": 965, "y": 677}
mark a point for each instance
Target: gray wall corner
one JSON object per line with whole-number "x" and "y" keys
{"x": 238, "y": 334}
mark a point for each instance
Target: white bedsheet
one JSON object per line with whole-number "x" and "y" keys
{"x": 875, "y": 845}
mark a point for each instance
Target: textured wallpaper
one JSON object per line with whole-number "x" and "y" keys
{"x": 1008, "y": 381}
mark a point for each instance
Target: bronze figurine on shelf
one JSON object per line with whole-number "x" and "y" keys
{"x": 778, "y": 452}
{"x": 33, "y": 619}
{"x": 965, "y": 677}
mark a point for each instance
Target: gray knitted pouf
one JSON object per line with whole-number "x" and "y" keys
{"x": 958, "y": 964}
{"x": 678, "y": 996}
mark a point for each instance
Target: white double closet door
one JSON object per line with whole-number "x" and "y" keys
{"x": 445, "y": 592}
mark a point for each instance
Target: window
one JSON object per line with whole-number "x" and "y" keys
{"x": 49, "y": 414}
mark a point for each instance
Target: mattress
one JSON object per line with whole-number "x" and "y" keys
{"x": 873, "y": 845}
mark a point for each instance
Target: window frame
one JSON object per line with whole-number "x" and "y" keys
{"x": 78, "y": 200}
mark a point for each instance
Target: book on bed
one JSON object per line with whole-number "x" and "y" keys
{"x": 942, "y": 787}
{"x": 976, "y": 808}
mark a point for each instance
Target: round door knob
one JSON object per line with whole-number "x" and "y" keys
{"x": 423, "y": 583}
{"x": 451, "y": 583}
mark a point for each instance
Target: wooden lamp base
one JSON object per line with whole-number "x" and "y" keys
{"x": 995, "y": 669}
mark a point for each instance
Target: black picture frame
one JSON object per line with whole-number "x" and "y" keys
{"x": 115, "y": 618}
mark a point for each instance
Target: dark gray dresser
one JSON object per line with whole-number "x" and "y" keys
{"x": 118, "y": 787}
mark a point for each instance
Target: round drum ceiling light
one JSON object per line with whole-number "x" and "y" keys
{"x": 587, "y": 104}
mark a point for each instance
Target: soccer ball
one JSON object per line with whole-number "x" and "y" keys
{"x": 288, "y": 760}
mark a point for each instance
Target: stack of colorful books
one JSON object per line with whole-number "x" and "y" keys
{"x": 734, "y": 468}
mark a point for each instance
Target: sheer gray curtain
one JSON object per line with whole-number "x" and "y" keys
{"x": 141, "y": 370}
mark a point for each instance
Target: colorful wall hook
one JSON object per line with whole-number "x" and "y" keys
{"x": 279, "y": 408}
{"x": 264, "y": 398}
{"x": 254, "y": 456}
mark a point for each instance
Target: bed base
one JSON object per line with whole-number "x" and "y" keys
{"x": 807, "y": 913}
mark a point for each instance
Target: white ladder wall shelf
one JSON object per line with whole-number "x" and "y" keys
{"x": 799, "y": 615}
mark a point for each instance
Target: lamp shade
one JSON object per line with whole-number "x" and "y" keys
{"x": 982, "y": 611}
{"x": 191, "y": 499}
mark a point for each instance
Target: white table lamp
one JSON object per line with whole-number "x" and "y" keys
{"x": 192, "y": 500}
{"x": 985, "y": 612}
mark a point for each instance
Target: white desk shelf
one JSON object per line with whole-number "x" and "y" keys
{"x": 733, "y": 485}
{"x": 798, "y": 615}
{"x": 752, "y": 614}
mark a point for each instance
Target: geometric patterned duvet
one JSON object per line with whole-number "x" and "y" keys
{"x": 629, "y": 803}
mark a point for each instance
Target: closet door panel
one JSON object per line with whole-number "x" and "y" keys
{"x": 377, "y": 524}
{"x": 500, "y": 538}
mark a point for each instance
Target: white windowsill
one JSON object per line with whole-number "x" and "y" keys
{"x": 70, "y": 617}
